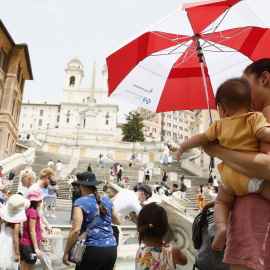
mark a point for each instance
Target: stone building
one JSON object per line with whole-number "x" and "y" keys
{"x": 15, "y": 68}
{"x": 84, "y": 112}
{"x": 174, "y": 125}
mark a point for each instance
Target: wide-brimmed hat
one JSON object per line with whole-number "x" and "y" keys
{"x": 14, "y": 211}
{"x": 86, "y": 179}
{"x": 36, "y": 195}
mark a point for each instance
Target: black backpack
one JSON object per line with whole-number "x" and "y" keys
{"x": 76, "y": 192}
{"x": 203, "y": 234}
{"x": 147, "y": 171}
{"x": 166, "y": 192}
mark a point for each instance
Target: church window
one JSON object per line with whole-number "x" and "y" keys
{"x": 13, "y": 106}
{"x": 174, "y": 136}
{"x": 22, "y": 84}
{"x": 22, "y": 125}
{"x": 84, "y": 122}
{"x": 186, "y": 138}
{"x": 19, "y": 73}
{"x": 8, "y": 139}
{"x": 67, "y": 120}
{"x": 40, "y": 122}
{"x": 72, "y": 81}
{"x": 58, "y": 118}
{"x": 41, "y": 113}
{"x": 169, "y": 133}
{"x": 154, "y": 130}
{"x": 59, "y": 108}
{"x": 4, "y": 60}
{"x": 107, "y": 122}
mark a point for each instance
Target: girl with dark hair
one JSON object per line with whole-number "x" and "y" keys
{"x": 201, "y": 198}
{"x": 101, "y": 249}
{"x": 156, "y": 233}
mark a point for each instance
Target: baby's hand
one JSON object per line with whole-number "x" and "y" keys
{"x": 179, "y": 153}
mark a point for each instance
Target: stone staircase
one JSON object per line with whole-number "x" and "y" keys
{"x": 64, "y": 202}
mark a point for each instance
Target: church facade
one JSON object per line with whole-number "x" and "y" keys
{"x": 87, "y": 111}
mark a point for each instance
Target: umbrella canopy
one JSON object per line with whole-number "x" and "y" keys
{"x": 169, "y": 67}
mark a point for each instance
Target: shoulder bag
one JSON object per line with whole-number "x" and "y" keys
{"x": 56, "y": 192}
{"x": 77, "y": 251}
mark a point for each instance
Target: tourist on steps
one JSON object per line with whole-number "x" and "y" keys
{"x": 101, "y": 247}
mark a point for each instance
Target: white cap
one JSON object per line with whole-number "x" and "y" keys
{"x": 1, "y": 165}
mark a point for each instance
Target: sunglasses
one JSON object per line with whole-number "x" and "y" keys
{"x": 49, "y": 178}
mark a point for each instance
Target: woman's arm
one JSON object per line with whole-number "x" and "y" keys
{"x": 178, "y": 256}
{"x": 253, "y": 164}
{"x": 32, "y": 229}
{"x": 16, "y": 241}
{"x": 74, "y": 232}
{"x": 115, "y": 218}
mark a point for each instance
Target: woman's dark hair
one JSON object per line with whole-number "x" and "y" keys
{"x": 216, "y": 189}
{"x": 89, "y": 168}
{"x": 34, "y": 204}
{"x": 102, "y": 208}
{"x": 183, "y": 188}
{"x": 201, "y": 188}
{"x": 153, "y": 222}
{"x": 53, "y": 183}
{"x": 234, "y": 93}
{"x": 258, "y": 67}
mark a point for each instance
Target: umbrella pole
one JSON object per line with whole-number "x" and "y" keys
{"x": 200, "y": 56}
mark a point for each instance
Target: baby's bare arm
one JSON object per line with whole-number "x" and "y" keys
{"x": 193, "y": 142}
{"x": 263, "y": 134}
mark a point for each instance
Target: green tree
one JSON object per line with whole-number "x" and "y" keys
{"x": 132, "y": 130}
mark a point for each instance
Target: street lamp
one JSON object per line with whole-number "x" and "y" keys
{"x": 145, "y": 150}
{"x": 47, "y": 133}
{"x": 78, "y": 127}
{"x": 33, "y": 133}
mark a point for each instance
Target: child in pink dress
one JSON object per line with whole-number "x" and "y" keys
{"x": 30, "y": 241}
{"x": 156, "y": 233}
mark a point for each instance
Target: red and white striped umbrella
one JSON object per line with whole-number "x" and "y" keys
{"x": 170, "y": 66}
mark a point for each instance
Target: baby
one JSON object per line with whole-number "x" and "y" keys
{"x": 238, "y": 129}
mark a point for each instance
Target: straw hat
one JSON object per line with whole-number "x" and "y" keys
{"x": 14, "y": 211}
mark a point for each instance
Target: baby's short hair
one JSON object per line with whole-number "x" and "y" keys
{"x": 234, "y": 93}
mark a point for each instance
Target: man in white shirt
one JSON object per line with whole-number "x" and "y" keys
{"x": 141, "y": 175}
{"x": 127, "y": 201}
{"x": 169, "y": 161}
{"x": 50, "y": 164}
{"x": 148, "y": 175}
{"x": 28, "y": 181}
{"x": 59, "y": 169}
